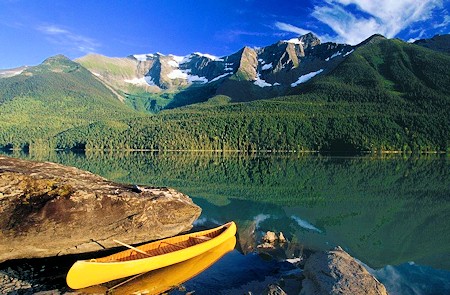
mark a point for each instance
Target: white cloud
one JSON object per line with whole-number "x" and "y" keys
{"x": 68, "y": 39}
{"x": 384, "y": 17}
{"x": 299, "y": 31}
{"x": 291, "y": 28}
{"x": 445, "y": 22}
{"x": 419, "y": 33}
{"x": 348, "y": 27}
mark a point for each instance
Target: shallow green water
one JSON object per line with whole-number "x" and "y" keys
{"x": 384, "y": 210}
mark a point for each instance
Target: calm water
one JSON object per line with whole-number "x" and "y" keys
{"x": 390, "y": 212}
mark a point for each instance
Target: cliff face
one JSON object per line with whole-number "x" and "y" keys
{"x": 47, "y": 209}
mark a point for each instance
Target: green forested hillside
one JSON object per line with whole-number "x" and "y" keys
{"x": 387, "y": 95}
{"x": 47, "y": 99}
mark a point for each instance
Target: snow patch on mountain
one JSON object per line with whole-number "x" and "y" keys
{"x": 209, "y": 56}
{"x": 173, "y": 63}
{"x": 195, "y": 78}
{"x": 304, "y": 78}
{"x": 142, "y": 57}
{"x": 185, "y": 59}
{"x": 11, "y": 73}
{"x": 144, "y": 81}
{"x": 333, "y": 56}
{"x": 176, "y": 58}
{"x": 219, "y": 77}
{"x": 349, "y": 52}
{"x": 228, "y": 66}
{"x": 184, "y": 74}
{"x": 177, "y": 74}
{"x": 260, "y": 82}
{"x": 294, "y": 41}
{"x": 267, "y": 67}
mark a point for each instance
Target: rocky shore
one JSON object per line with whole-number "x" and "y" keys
{"x": 9, "y": 283}
{"x": 330, "y": 272}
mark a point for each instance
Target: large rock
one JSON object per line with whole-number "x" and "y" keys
{"x": 336, "y": 272}
{"x": 47, "y": 209}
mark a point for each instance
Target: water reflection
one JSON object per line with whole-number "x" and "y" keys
{"x": 384, "y": 210}
{"x": 305, "y": 224}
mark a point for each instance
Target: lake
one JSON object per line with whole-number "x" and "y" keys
{"x": 391, "y": 212}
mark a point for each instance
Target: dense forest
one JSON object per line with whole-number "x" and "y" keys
{"x": 388, "y": 95}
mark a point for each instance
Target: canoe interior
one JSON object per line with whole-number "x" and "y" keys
{"x": 164, "y": 246}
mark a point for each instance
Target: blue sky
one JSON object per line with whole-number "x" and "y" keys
{"x": 31, "y": 31}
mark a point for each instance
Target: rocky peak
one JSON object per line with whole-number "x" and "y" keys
{"x": 309, "y": 40}
{"x": 247, "y": 64}
{"x": 57, "y": 63}
{"x": 56, "y": 58}
{"x": 280, "y": 64}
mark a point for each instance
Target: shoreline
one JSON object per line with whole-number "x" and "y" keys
{"x": 249, "y": 152}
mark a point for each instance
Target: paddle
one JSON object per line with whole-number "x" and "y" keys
{"x": 131, "y": 247}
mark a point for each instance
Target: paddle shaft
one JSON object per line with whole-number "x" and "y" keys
{"x": 131, "y": 247}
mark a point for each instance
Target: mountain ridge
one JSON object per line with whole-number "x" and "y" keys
{"x": 276, "y": 65}
{"x": 384, "y": 95}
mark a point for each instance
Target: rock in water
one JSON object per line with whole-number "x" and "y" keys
{"x": 270, "y": 237}
{"x": 281, "y": 238}
{"x": 336, "y": 272}
{"x": 274, "y": 289}
{"x": 47, "y": 209}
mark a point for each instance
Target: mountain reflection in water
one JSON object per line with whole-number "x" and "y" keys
{"x": 384, "y": 210}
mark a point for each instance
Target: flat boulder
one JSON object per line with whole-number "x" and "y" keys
{"x": 336, "y": 272}
{"x": 47, "y": 209}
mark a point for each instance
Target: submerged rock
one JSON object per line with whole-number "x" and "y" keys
{"x": 274, "y": 289}
{"x": 336, "y": 272}
{"x": 47, "y": 209}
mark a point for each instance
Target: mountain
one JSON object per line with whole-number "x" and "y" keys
{"x": 249, "y": 74}
{"x": 439, "y": 43}
{"x": 300, "y": 94}
{"x": 39, "y": 102}
{"x": 12, "y": 72}
{"x": 383, "y": 95}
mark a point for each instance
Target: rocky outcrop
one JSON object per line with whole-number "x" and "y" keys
{"x": 336, "y": 272}
{"x": 247, "y": 65}
{"x": 47, "y": 209}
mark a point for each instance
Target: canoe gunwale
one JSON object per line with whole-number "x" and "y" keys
{"x": 181, "y": 238}
{"x": 86, "y": 273}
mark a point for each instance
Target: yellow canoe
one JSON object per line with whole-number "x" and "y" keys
{"x": 164, "y": 279}
{"x": 85, "y": 273}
